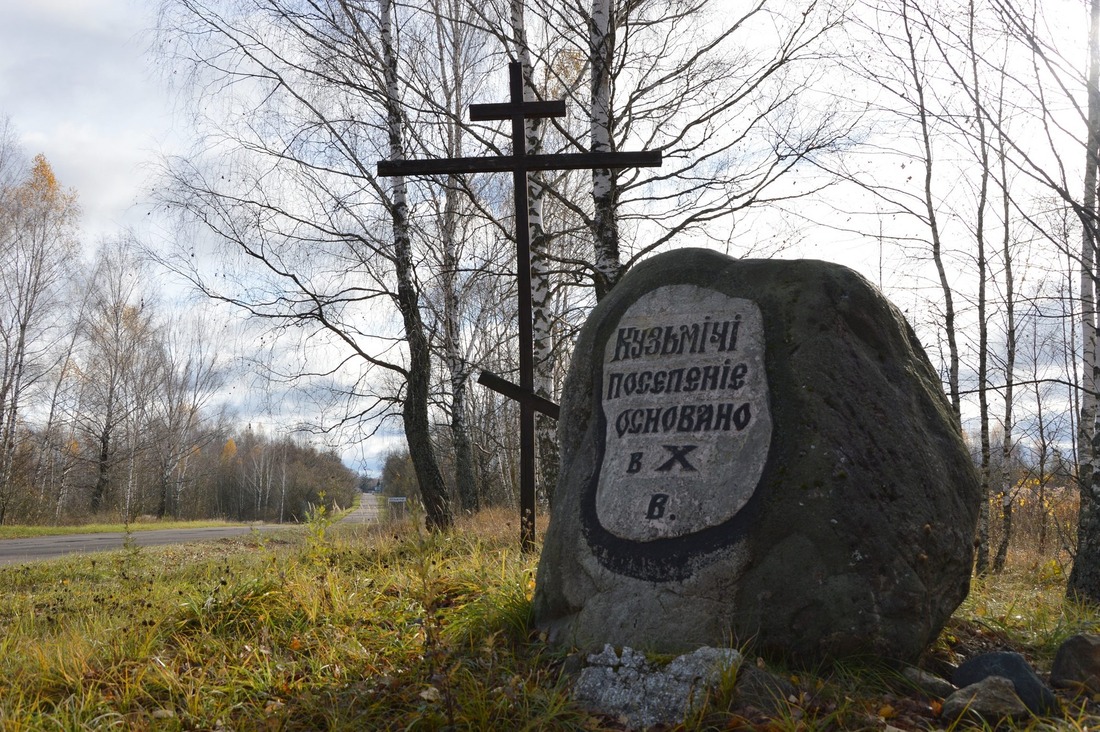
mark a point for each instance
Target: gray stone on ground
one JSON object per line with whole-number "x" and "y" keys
{"x": 804, "y": 488}
{"x": 993, "y": 699}
{"x": 1077, "y": 664}
{"x": 928, "y": 683}
{"x": 1014, "y": 667}
{"x": 628, "y": 686}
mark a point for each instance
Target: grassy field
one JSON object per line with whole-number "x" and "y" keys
{"x": 386, "y": 628}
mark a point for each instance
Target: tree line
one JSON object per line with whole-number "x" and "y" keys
{"x": 110, "y": 396}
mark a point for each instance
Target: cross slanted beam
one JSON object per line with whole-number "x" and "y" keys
{"x": 519, "y": 163}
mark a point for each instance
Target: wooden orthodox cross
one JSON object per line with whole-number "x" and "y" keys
{"x": 519, "y": 163}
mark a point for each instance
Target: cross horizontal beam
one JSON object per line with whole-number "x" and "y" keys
{"x": 511, "y": 163}
{"x": 519, "y": 394}
{"x": 523, "y": 110}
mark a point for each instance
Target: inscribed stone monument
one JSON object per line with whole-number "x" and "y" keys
{"x": 755, "y": 450}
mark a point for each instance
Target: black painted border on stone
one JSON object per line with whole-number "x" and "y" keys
{"x": 678, "y": 558}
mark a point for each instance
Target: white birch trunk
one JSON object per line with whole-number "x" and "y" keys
{"x": 542, "y": 324}
{"x": 601, "y": 45}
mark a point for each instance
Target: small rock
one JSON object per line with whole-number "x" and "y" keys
{"x": 163, "y": 714}
{"x": 928, "y": 683}
{"x": 606, "y": 657}
{"x": 1029, "y": 687}
{"x": 1077, "y": 664}
{"x": 629, "y": 687}
{"x": 992, "y": 699}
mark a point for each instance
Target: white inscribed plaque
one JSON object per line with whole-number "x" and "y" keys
{"x": 685, "y": 396}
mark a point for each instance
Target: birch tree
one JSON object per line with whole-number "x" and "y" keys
{"x": 118, "y": 354}
{"x": 418, "y": 376}
{"x": 37, "y": 245}
{"x": 1053, "y": 109}
{"x": 542, "y": 326}
{"x": 193, "y": 375}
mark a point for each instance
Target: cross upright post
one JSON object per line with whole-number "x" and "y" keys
{"x": 519, "y": 163}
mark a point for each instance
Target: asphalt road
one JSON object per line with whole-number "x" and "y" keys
{"x": 367, "y": 512}
{"x": 15, "y": 551}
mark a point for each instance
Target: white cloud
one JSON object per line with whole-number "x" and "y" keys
{"x": 76, "y": 83}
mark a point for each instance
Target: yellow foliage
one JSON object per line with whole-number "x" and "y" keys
{"x": 42, "y": 192}
{"x": 43, "y": 181}
{"x": 1051, "y": 572}
{"x": 229, "y": 451}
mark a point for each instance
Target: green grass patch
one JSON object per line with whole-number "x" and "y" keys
{"x": 342, "y": 628}
{"x": 29, "y": 532}
{"x": 386, "y": 628}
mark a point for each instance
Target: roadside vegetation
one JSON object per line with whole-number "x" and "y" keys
{"x": 26, "y": 532}
{"x": 387, "y": 627}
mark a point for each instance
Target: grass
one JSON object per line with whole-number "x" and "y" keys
{"x": 387, "y": 628}
{"x": 28, "y": 532}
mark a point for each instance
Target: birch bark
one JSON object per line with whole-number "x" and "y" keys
{"x": 542, "y": 324}
{"x": 601, "y": 50}
{"x": 452, "y": 46}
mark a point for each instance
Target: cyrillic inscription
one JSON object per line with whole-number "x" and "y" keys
{"x": 685, "y": 399}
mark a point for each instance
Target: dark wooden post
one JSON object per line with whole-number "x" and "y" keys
{"x": 519, "y": 163}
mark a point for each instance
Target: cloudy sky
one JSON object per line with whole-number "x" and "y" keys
{"x": 77, "y": 86}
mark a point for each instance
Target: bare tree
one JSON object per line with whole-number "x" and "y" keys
{"x": 37, "y": 246}
{"x": 320, "y": 245}
{"x": 119, "y": 354}
{"x": 192, "y": 376}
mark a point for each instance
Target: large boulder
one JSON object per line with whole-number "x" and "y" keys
{"x": 755, "y": 450}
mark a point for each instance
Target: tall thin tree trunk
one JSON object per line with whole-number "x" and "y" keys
{"x": 103, "y": 472}
{"x": 1084, "y": 579}
{"x": 542, "y": 326}
{"x": 414, "y": 411}
{"x": 601, "y": 50}
{"x": 932, "y": 220}
{"x": 982, "y": 563}
{"x": 1044, "y": 446}
{"x": 465, "y": 479}
{"x": 11, "y": 409}
{"x": 1007, "y": 481}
